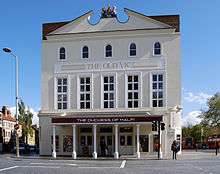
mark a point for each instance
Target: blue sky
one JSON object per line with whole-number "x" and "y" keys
{"x": 21, "y": 23}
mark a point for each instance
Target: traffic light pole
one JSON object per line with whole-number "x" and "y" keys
{"x": 158, "y": 155}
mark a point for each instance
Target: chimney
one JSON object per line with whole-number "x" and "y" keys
{"x": 4, "y": 111}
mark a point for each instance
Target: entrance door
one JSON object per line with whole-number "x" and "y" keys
{"x": 105, "y": 143}
{"x": 86, "y": 145}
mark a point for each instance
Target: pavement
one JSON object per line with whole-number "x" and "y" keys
{"x": 190, "y": 162}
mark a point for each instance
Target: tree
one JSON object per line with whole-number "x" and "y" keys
{"x": 25, "y": 119}
{"x": 211, "y": 116}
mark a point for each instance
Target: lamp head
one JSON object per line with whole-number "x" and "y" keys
{"x": 7, "y": 50}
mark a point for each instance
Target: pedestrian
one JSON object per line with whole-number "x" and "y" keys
{"x": 174, "y": 149}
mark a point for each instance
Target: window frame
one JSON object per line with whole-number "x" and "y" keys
{"x": 82, "y": 52}
{"x": 85, "y": 92}
{"x": 105, "y": 52}
{"x": 59, "y": 54}
{"x": 129, "y": 50}
{"x": 157, "y": 55}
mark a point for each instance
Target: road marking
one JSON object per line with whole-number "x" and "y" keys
{"x": 123, "y": 164}
{"x": 47, "y": 167}
{"x": 8, "y": 168}
{"x": 93, "y": 167}
{"x": 66, "y": 164}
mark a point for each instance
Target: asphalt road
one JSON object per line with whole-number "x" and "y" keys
{"x": 191, "y": 164}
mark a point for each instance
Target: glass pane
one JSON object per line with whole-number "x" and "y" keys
{"x": 154, "y": 77}
{"x": 85, "y": 55}
{"x": 87, "y": 87}
{"x": 111, "y": 79}
{"x": 160, "y": 85}
{"x": 135, "y": 104}
{"x": 129, "y": 86}
{"x": 111, "y": 96}
{"x": 59, "y": 106}
{"x": 160, "y": 103}
{"x": 135, "y": 86}
{"x": 89, "y": 140}
{"x": 105, "y": 87}
{"x": 105, "y": 96}
{"x": 135, "y": 95}
{"x": 135, "y": 78}
{"x": 83, "y": 140}
{"x": 105, "y": 104}
{"x": 129, "y": 140}
{"x": 105, "y": 79}
{"x": 59, "y": 89}
{"x": 130, "y": 104}
{"x": 87, "y": 80}
{"x": 87, "y": 105}
{"x": 59, "y": 98}
{"x": 82, "y": 80}
{"x": 130, "y": 95}
{"x": 64, "y": 105}
{"x": 132, "y": 52}
{"x": 82, "y": 88}
{"x": 112, "y": 87}
{"x": 160, "y": 94}
{"x": 160, "y": 77}
{"x": 82, "y": 105}
{"x": 154, "y": 95}
{"x": 109, "y": 140}
{"x": 154, "y": 85}
{"x": 122, "y": 140}
{"x": 59, "y": 81}
{"x": 154, "y": 103}
{"x": 111, "y": 104}
{"x": 64, "y": 97}
{"x": 87, "y": 96}
{"x": 129, "y": 78}
{"x": 82, "y": 97}
{"x": 64, "y": 81}
{"x": 64, "y": 88}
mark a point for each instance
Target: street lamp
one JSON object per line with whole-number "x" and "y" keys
{"x": 8, "y": 50}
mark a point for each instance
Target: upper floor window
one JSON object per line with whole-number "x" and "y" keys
{"x": 109, "y": 92}
{"x": 157, "y": 90}
{"x": 85, "y": 52}
{"x": 62, "y": 93}
{"x": 157, "y": 48}
{"x": 132, "y": 51}
{"x": 108, "y": 51}
{"x": 85, "y": 93}
{"x": 133, "y": 91}
{"x": 62, "y": 53}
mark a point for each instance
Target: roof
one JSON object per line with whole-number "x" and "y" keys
{"x": 171, "y": 20}
{"x": 9, "y": 118}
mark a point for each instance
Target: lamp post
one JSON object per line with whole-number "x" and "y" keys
{"x": 9, "y": 51}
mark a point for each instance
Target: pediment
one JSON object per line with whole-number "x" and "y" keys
{"x": 135, "y": 21}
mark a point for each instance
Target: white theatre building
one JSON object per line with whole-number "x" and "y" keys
{"x": 108, "y": 89}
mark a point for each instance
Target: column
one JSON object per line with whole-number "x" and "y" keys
{"x": 74, "y": 142}
{"x": 94, "y": 142}
{"x": 150, "y": 143}
{"x": 116, "y": 155}
{"x": 54, "y": 155}
{"x": 138, "y": 142}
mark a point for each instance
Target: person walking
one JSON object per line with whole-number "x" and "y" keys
{"x": 174, "y": 149}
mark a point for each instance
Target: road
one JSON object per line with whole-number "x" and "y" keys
{"x": 188, "y": 165}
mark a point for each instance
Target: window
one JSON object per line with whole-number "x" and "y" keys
{"x": 85, "y": 93}
{"x": 85, "y": 52}
{"x": 133, "y": 93}
{"x": 109, "y": 91}
{"x": 67, "y": 143}
{"x": 62, "y": 93}
{"x": 157, "y": 48}
{"x": 126, "y": 140}
{"x": 157, "y": 90}
{"x": 132, "y": 49}
{"x": 108, "y": 51}
{"x": 62, "y": 53}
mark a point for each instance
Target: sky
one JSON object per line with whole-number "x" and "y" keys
{"x": 21, "y": 28}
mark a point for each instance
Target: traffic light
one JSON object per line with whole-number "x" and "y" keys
{"x": 162, "y": 126}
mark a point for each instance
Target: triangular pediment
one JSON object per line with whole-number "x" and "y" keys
{"x": 135, "y": 21}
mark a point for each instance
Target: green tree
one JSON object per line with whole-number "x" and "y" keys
{"x": 211, "y": 116}
{"x": 25, "y": 119}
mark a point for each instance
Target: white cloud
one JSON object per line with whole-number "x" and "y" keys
{"x": 35, "y": 119}
{"x": 191, "y": 118}
{"x": 200, "y": 98}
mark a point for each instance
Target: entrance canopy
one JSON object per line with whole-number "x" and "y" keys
{"x": 106, "y": 119}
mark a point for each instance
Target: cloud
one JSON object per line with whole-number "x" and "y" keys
{"x": 200, "y": 98}
{"x": 191, "y": 118}
{"x": 35, "y": 119}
